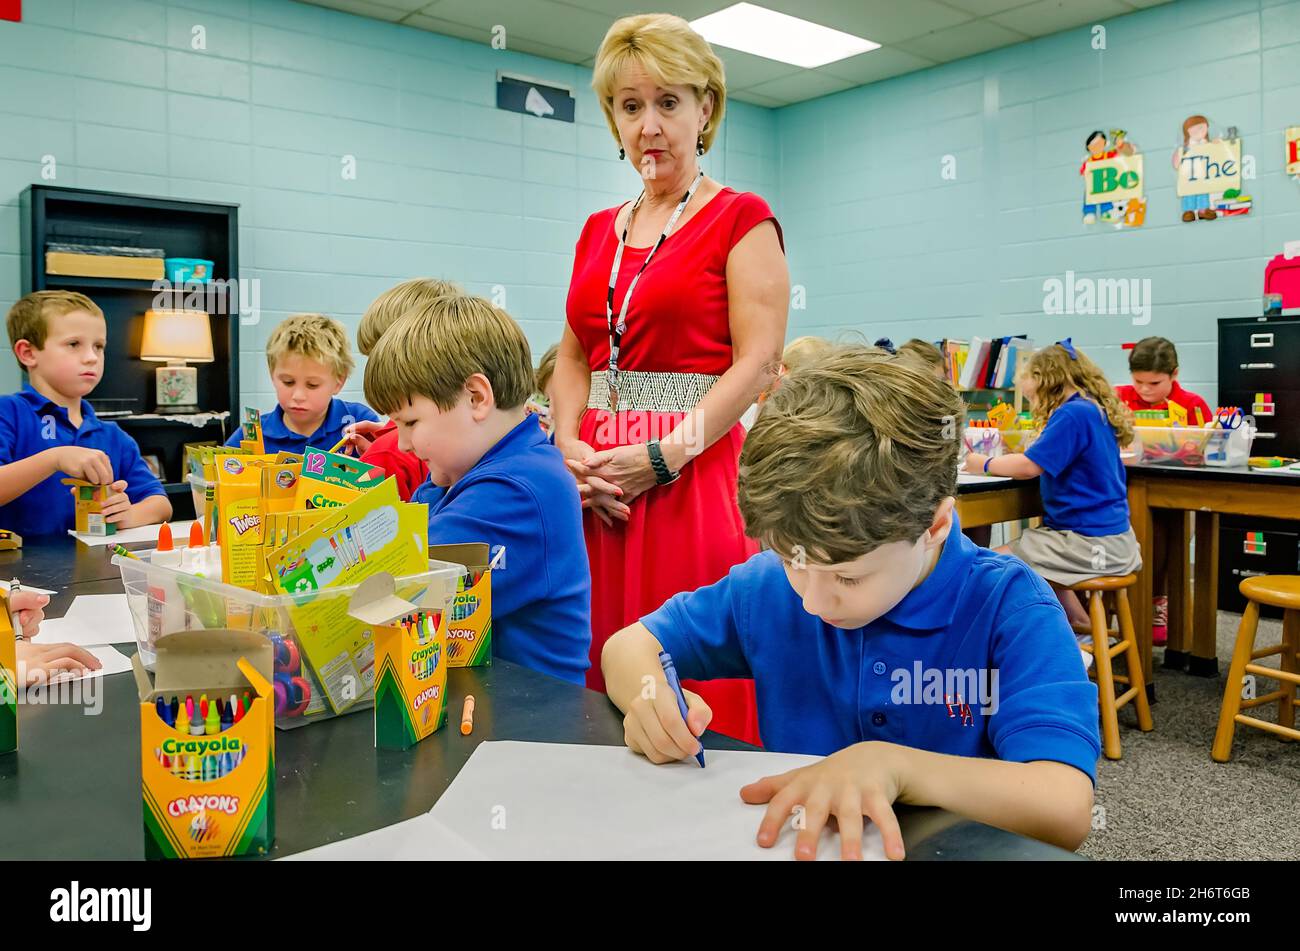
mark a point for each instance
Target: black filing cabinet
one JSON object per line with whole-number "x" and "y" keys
{"x": 1249, "y": 547}
{"x": 1262, "y": 355}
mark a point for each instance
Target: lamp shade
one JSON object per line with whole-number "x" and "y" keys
{"x": 177, "y": 335}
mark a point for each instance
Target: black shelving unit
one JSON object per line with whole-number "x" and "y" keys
{"x": 183, "y": 229}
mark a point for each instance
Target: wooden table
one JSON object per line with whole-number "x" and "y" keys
{"x": 1160, "y": 498}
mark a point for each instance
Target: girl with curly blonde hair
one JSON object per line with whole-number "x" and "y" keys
{"x": 1076, "y": 459}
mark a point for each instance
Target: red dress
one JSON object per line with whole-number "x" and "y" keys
{"x": 687, "y": 534}
{"x": 406, "y": 467}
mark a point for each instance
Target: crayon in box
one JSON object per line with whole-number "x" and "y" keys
{"x": 468, "y": 620}
{"x": 410, "y": 657}
{"x": 216, "y": 795}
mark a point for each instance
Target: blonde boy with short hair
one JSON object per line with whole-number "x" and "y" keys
{"x": 48, "y": 430}
{"x": 310, "y": 359}
{"x": 927, "y": 670}
{"x": 376, "y": 442}
{"x": 455, "y": 375}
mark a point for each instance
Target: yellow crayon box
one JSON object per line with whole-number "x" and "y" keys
{"x": 239, "y": 512}
{"x": 8, "y": 680}
{"x": 88, "y": 501}
{"x": 410, "y": 658}
{"x": 468, "y": 620}
{"x": 208, "y": 795}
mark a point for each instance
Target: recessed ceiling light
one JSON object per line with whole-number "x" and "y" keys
{"x": 779, "y": 36}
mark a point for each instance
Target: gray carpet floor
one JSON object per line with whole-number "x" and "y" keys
{"x": 1166, "y": 799}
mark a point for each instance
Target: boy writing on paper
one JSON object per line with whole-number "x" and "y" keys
{"x": 454, "y": 376}
{"x": 927, "y": 670}
{"x": 49, "y": 431}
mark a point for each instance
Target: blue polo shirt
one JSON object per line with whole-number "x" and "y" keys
{"x": 981, "y": 625}
{"x": 520, "y": 495}
{"x": 31, "y": 423}
{"x": 277, "y": 437}
{"x": 1082, "y": 485}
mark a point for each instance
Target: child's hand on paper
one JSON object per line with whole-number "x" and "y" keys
{"x": 861, "y": 780}
{"x": 654, "y": 726}
{"x": 358, "y": 436}
{"x": 39, "y": 663}
{"x": 975, "y": 463}
{"x": 88, "y": 465}
{"x": 31, "y": 610}
{"x": 117, "y": 505}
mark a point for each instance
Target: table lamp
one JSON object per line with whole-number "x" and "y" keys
{"x": 177, "y": 337}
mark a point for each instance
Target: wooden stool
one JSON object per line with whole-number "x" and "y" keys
{"x": 1115, "y": 586}
{"x": 1280, "y": 591}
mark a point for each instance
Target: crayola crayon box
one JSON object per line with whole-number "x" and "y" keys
{"x": 8, "y": 680}
{"x": 331, "y": 479}
{"x": 208, "y": 783}
{"x": 468, "y": 620}
{"x": 88, "y": 502}
{"x": 410, "y": 658}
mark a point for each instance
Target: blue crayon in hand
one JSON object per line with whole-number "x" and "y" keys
{"x": 670, "y": 672}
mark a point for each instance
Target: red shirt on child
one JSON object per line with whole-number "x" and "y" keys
{"x": 1188, "y": 400}
{"x": 407, "y": 468}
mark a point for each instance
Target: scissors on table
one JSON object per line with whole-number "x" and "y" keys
{"x": 1230, "y": 418}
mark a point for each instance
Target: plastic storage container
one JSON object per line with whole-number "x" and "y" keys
{"x": 188, "y": 270}
{"x": 1194, "y": 446}
{"x": 153, "y": 593}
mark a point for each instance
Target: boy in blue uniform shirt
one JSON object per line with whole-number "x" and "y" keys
{"x": 927, "y": 670}
{"x": 455, "y": 374}
{"x": 49, "y": 432}
{"x": 310, "y": 360}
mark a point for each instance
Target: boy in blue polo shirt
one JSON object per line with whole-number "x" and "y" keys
{"x": 310, "y": 359}
{"x": 927, "y": 670}
{"x": 49, "y": 432}
{"x": 455, "y": 374}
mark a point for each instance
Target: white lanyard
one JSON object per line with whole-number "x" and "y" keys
{"x": 616, "y": 330}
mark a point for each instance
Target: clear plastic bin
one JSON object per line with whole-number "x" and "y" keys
{"x": 163, "y": 600}
{"x": 1194, "y": 446}
{"x": 198, "y": 492}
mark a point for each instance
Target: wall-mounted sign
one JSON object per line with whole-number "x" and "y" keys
{"x": 1209, "y": 173}
{"x": 1112, "y": 181}
{"x": 521, "y": 94}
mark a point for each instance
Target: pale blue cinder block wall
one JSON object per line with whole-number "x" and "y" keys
{"x": 446, "y": 184}
{"x": 884, "y": 245}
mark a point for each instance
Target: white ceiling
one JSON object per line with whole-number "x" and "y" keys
{"x": 914, "y": 33}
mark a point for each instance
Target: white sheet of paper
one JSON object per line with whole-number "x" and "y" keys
{"x": 517, "y": 800}
{"x": 128, "y": 536}
{"x": 91, "y": 619}
{"x": 114, "y": 663}
{"x": 971, "y": 478}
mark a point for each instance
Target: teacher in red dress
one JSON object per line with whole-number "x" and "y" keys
{"x": 676, "y": 317}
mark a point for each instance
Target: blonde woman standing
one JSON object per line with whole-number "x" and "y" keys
{"x": 676, "y": 316}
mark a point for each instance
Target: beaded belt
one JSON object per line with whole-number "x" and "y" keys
{"x": 653, "y": 392}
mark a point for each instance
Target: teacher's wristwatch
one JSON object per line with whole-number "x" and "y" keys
{"x": 663, "y": 475}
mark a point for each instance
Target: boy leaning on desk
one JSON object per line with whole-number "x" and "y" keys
{"x": 927, "y": 670}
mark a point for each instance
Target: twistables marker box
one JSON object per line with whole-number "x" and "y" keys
{"x": 8, "y": 680}
{"x": 468, "y": 620}
{"x": 211, "y": 795}
{"x": 410, "y": 658}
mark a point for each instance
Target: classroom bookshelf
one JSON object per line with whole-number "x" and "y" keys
{"x": 56, "y": 215}
{"x": 986, "y": 370}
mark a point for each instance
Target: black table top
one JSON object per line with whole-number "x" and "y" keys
{"x": 1237, "y": 474}
{"x": 995, "y": 485}
{"x": 73, "y": 789}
